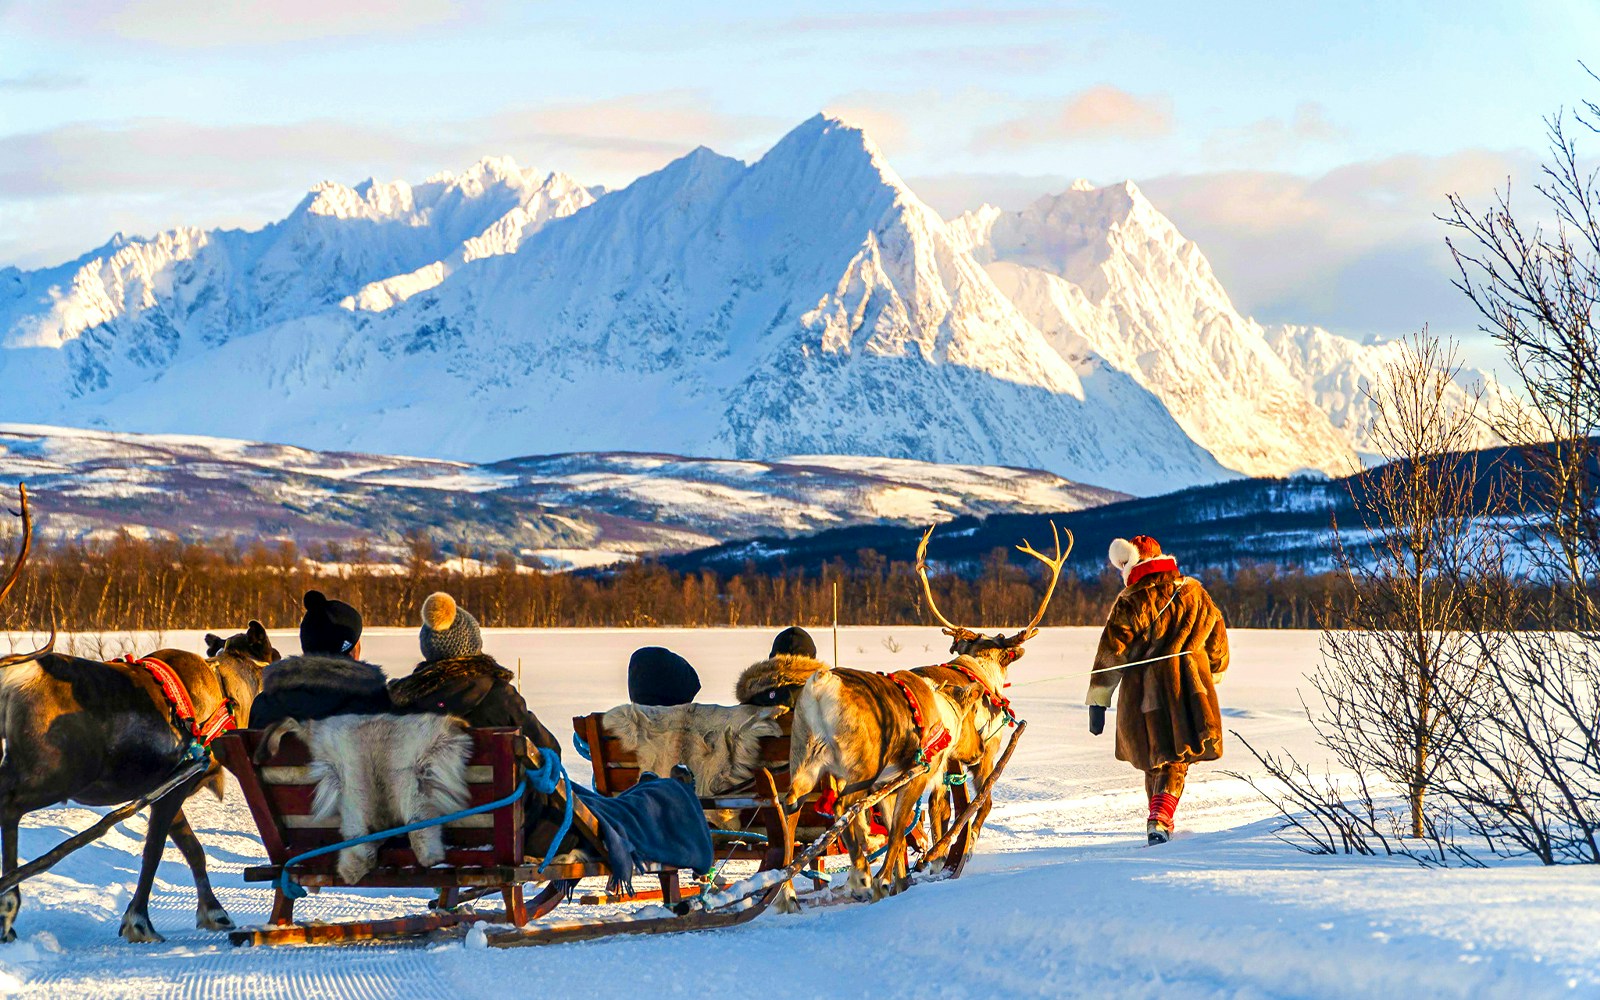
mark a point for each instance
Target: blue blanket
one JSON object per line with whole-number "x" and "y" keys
{"x": 657, "y": 821}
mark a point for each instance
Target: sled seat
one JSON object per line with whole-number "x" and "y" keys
{"x": 616, "y": 770}
{"x": 484, "y": 854}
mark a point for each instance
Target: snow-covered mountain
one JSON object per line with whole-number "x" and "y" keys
{"x": 1104, "y": 274}
{"x": 581, "y": 509}
{"x": 1337, "y": 374}
{"x": 807, "y": 303}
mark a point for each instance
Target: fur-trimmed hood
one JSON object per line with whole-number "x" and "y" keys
{"x": 334, "y": 674}
{"x": 776, "y": 680}
{"x": 433, "y": 678}
{"x": 316, "y": 686}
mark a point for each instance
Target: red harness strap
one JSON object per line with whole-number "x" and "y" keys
{"x": 930, "y": 739}
{"x": 182, "y": 706}
{"x": 1001, "y": 703}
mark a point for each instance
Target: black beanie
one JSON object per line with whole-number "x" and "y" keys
{"x": 658, "y": 676}
{"x": 329, "y": 627}
{"x": 794, "y": 641}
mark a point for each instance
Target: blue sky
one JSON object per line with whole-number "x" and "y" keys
{"x": 1305, "y": 150}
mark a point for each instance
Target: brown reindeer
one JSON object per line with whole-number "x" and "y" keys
{"x": 865, "y": 730}
{"x": 983, "y": 661}
{"x": 103, "y": 734}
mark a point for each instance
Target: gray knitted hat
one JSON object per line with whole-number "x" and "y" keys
{"x": 448, "y": 631}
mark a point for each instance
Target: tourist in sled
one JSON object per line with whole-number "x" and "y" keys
{"x": 655, "y": 821}
{"x": 1165, "y": 644}
{"x": 328, "y": 677}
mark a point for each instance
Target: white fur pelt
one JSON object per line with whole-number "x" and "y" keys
{"x": 380, "y": 771}
{"x": 721, "y": 744}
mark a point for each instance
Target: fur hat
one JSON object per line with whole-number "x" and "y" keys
{"x": 448, "y": 631}
{"x": 658, "y": 676}
{"x": 1128, "y": 553}
{"x": 331, "y": 627}
{"x": 794, "y": 641}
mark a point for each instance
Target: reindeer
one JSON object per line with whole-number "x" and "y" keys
{"x": 866, "y": 730}
{"x": 103, "y": 734}
{"x": 983, "y": 661}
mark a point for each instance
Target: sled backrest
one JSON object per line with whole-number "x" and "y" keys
{"x": 616, "y": 769}
{"x": 279, "y": 791}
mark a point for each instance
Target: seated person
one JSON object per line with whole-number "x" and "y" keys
{"x": 779, "y": 678}
{"x": 657, "y": 821}
{"x": 456, "y": 676}
{"x": 658, "y": 676}
{"x": 328, "y": 677}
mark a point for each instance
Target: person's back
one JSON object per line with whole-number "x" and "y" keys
{"x": 328, "y": 677}
{"x": 456, "y": 676}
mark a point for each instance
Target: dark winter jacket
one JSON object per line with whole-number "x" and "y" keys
{"x": 475, "y": 688}
{"x": 318, "y": 686}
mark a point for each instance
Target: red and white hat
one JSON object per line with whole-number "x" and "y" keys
{"x": 1127, "y": 553}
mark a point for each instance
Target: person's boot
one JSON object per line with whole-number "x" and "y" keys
{"x": 1158, "y": 829}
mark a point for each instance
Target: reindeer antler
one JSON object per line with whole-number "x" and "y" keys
{"x": 950, "y": 629}
{"x": 1032, "y": 628}
{"x": 15, "y": 574}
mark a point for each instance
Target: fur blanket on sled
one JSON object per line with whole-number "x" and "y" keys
{"x": 374, "y": 772}
{"x": 720, "y": 744}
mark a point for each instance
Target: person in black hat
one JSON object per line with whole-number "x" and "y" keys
{"x": 794, "y": 641}
{"x": 327, "y": 678}
{"x": 658, "y": 676}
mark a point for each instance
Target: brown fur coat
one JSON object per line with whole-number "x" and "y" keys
{"x": 1167, "y": 711}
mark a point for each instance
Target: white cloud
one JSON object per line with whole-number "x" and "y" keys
{"x": 208, "y": 24}
{"x": 1100, "y": 112}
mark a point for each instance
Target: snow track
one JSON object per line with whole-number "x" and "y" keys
{"x": 1062, "y": 899}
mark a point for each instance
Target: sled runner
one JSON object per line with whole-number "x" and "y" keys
{"x": 484, "y": 853}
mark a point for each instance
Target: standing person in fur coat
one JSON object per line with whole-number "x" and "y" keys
{"x": 1167, "y": 712}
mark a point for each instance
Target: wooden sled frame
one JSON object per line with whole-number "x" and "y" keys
{"x": 616, "y": 770}
{"x": 483, "y": 853}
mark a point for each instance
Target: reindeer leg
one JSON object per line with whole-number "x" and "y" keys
{"x": 209, "y": 914}
{"x": 938, "y": 819}
{"x": 136, "y": 918}
{"x": 894, "y": 875}
{"x": 855, "y": 840}
{"x": 11, "y": 900}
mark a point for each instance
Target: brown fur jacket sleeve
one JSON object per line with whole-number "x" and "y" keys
{"x": 1167, "y": 711}
{"x": 477, "y": 689}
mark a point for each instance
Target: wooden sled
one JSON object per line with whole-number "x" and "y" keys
{"x": 483, "y": 853}
{"x": 616, "y": 770}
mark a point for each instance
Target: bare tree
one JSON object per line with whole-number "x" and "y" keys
{"x": 1397, "y": 667}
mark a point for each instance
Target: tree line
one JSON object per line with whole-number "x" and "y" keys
{"x": 134, "y": 584}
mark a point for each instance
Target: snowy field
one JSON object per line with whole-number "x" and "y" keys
{"x": 1062, "y": 899}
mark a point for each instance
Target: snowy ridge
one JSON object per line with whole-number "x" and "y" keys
{"x": 1337, "y": 374}
{"x": 807, "y": 303}
{"x": 1105, "y": 275}
{"x": 566, "y": 510}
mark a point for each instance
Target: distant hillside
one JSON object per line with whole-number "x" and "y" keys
{"x": 1287, "y": 522}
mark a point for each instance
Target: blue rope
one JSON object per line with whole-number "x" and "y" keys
{"x": 545, "y": 779}
{"x": 880, "y": 852}
{"x": 582, "y": 746}
{"x": 740, "y": 835}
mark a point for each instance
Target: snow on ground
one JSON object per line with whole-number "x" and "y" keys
{"x": 1063, "y": 898}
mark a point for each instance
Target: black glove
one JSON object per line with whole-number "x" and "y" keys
{"x": 1097, "y": 720}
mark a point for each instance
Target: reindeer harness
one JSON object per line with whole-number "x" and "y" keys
{"x": 997, "y": 701}
{"x": 930, "y": 739}
{"x": 198, "y": 737}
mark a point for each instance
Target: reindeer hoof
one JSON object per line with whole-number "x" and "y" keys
{"x": 136, "y": 929}
{"x": 214, "y": 919}
{"x": 788, "y": 902}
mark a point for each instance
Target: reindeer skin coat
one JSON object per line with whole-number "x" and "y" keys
{"x": 1167, "y": 711}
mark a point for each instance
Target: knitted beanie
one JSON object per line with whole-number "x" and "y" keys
{"x": 329, "y": 627}
{"x": 448, "y": 631}
{"x": 794, "y": 641}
